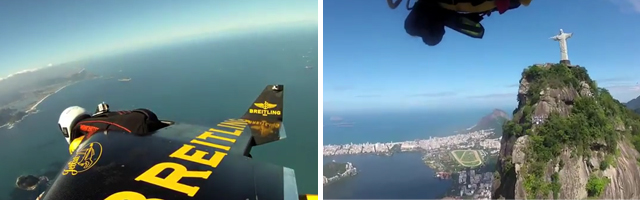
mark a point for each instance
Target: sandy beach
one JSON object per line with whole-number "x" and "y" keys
{"x": 35, "y": 106}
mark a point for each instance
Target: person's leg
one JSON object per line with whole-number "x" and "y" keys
{"x": 435, "y": 17}
{"x": 434, "y": 36}
{"x": 411, "y": 23}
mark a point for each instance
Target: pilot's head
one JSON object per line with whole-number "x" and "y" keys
{"x": 68, "y": 119}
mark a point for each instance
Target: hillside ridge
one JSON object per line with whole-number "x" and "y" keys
{"x": 568, "y": 139}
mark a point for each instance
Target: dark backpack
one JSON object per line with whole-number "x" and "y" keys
{"x": 140, "y": 122}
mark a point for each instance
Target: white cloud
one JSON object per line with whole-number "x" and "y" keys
{"x": 624, "y": 88}
{"x": 628, "y": 5}
{"x": 21, "y": 72}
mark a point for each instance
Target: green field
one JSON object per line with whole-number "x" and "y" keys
{"x": 467, "y": 158}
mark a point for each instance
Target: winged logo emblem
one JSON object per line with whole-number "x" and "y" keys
{"x": 265, "y": 105}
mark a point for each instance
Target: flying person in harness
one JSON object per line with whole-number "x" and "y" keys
{"x": 75, "y": 122}
{"x": 427, "y": 18}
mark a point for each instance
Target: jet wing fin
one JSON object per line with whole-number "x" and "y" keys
{"x": 264, "y": 116}
{"x": 261, "y": 124}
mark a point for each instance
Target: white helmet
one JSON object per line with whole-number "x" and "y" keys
{"x": 68, "y": 120}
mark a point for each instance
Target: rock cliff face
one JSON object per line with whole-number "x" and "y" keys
{"x": 567, "y": 140}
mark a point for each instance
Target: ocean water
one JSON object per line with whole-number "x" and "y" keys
{"x": 198, "y": 82}
{"x": 401, "y": 176}
{"x": 396, "y": 127}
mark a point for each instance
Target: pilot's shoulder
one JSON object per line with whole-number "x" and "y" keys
{"x": 150, "y": 114}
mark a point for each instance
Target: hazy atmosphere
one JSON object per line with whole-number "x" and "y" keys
{"x": 371, "y": 59}
{"x": 481, "y": 100}
{"x": 170, "y": 58}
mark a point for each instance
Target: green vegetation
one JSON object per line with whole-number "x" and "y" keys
{"x": 590, "y": 125}
{"x": 596, "y": 185}
{"x": 555, "y": 185}
{"x": 608, "y": 161}
{"x": 467, "y": 158}
{"x": 10, "y": 115}
{"x": 458, "y": 153}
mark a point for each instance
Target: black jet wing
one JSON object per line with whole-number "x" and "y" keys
{"x": 210, "y": 165}
{"x": 264, "y": 116}
{"x": 262, "y": 123}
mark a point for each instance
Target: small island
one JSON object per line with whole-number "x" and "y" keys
{"x": 335, "y": 171}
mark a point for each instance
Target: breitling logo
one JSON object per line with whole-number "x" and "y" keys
{"x": 266, "y": 109}
{"x": 85, "y": 158}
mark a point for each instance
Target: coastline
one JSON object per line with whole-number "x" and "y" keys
{"x": 348, "y": 171}
{"x": 33, "y": 108}
{"x": 443, "y": 155}
{"x": 401, "y": 176}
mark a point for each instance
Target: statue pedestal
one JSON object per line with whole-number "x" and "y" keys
{"x": 565, "y": 62}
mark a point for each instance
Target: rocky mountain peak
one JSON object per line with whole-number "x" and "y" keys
{"x": 568, "y": 139}
{"x": 493, "y": 120}
{"x": 497, "y": 113}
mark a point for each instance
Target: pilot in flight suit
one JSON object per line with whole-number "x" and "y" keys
{"x": 75, "y": 122}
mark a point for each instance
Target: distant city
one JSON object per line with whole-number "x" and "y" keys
{"x": 477, "y": 185}
{"x": 459, "y": 141}
{"x": 455, "y": 154}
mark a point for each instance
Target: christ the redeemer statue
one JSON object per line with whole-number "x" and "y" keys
{"x": 562, "y": 38}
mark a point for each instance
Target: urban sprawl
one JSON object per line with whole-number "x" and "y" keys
{"x": 439, "y": 154}
{"x": 459, "y": 141}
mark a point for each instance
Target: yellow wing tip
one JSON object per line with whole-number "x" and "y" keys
{"x": 309, "y": 197}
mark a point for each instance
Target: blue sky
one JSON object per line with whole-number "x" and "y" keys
{"x": 370, "y": 63}
{"x": 35, "y": 33}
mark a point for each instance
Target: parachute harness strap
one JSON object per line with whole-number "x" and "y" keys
{"x": 394, "y": 5}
